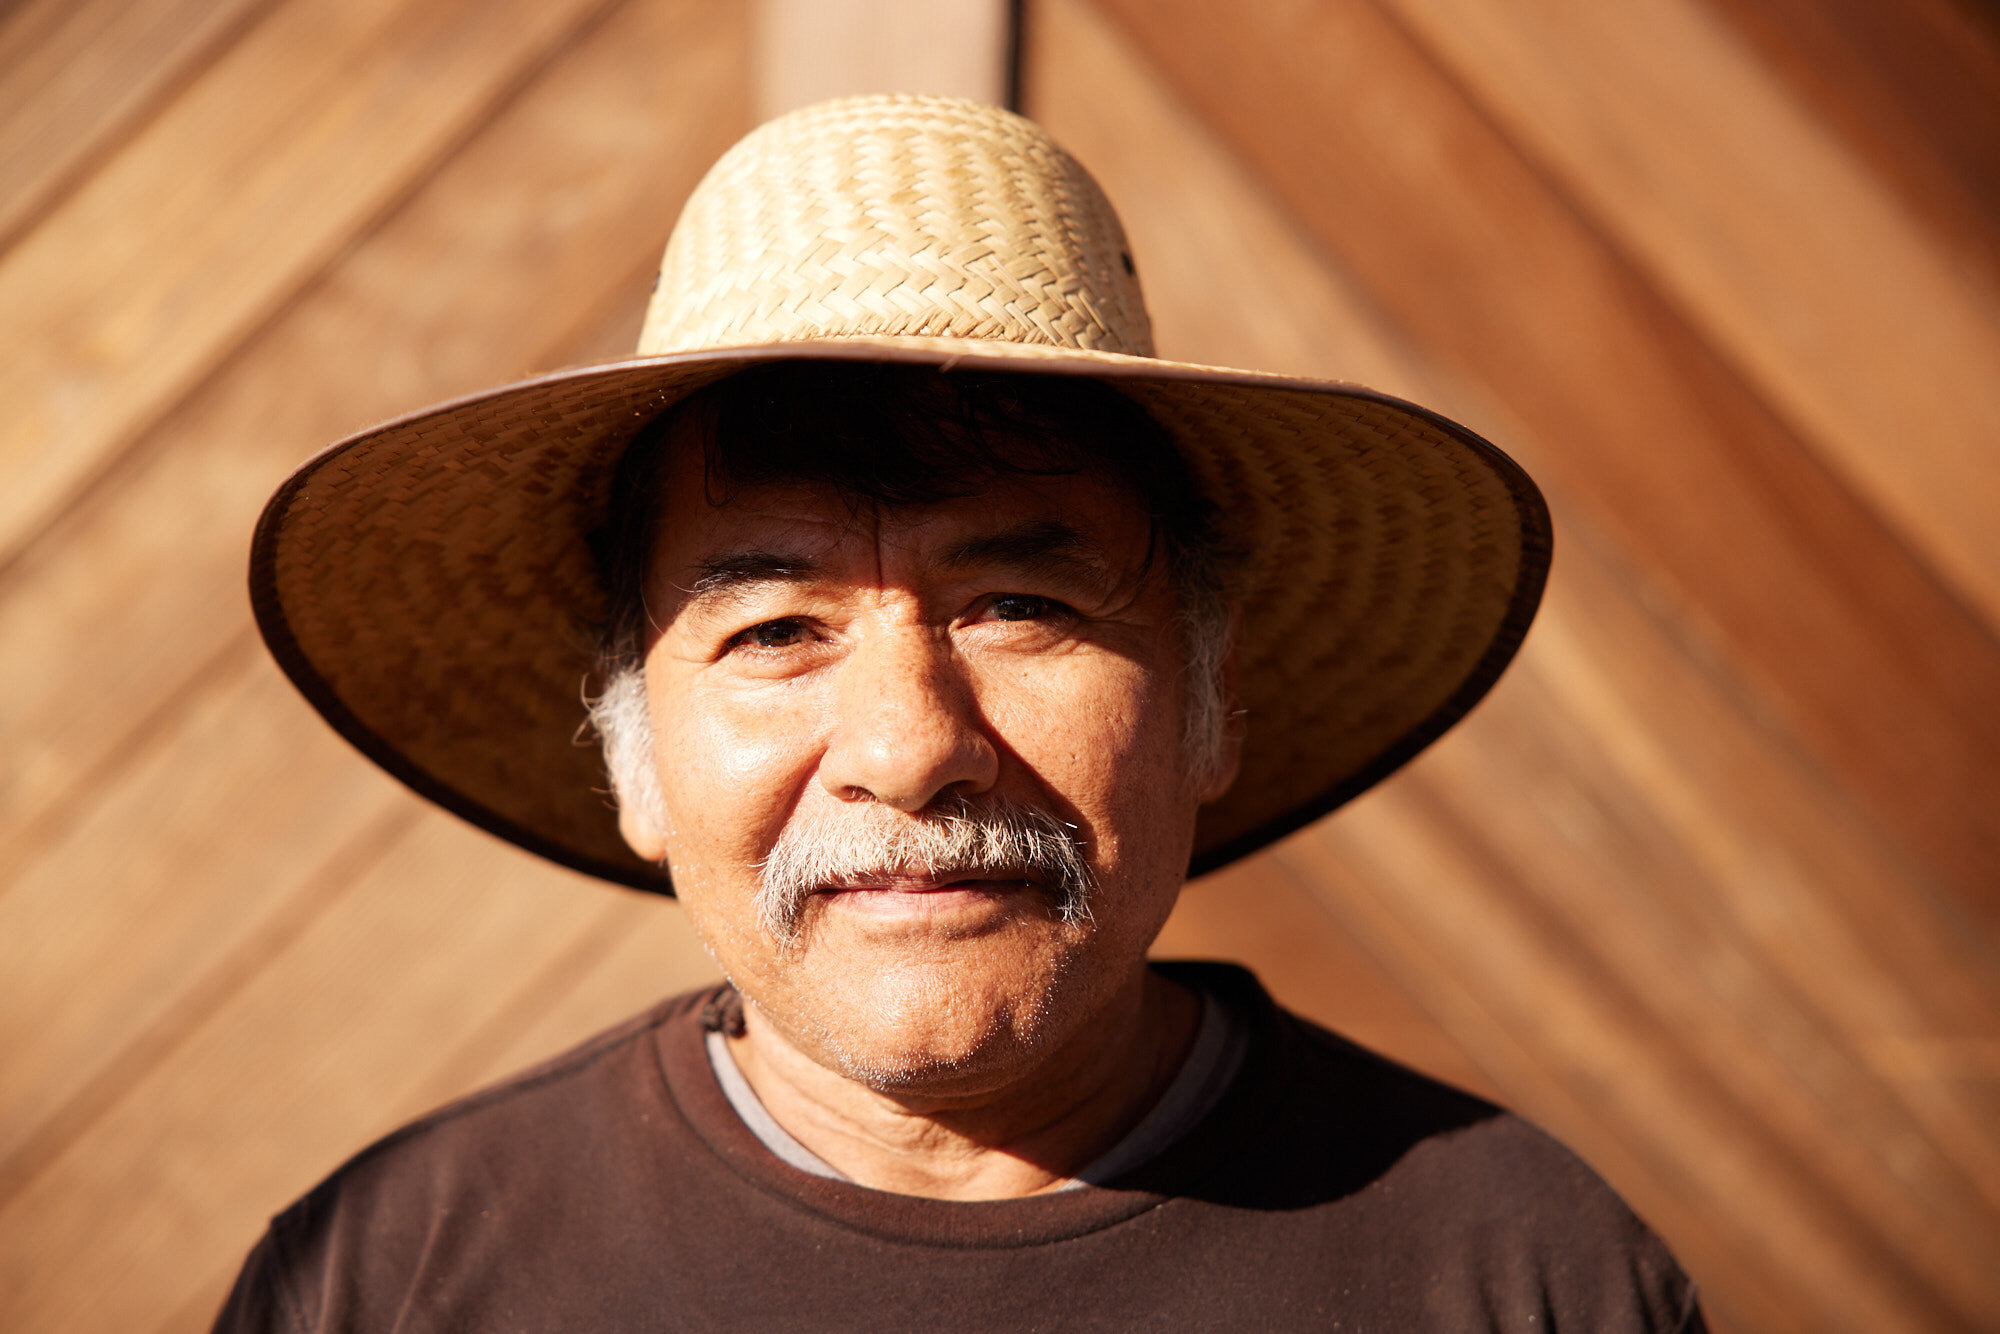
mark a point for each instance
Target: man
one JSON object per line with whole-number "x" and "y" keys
{"x": 941, "y": 630}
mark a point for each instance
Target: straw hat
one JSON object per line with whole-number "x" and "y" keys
{"x": 427, "y": 583}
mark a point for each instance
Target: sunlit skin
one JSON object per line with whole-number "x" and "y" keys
{"x": 812, "y": 661}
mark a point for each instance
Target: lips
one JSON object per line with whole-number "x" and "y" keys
{"x": 925, "y": 884}
{"x": 965, "y": 900}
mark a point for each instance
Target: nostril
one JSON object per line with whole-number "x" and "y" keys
{"x": 907, "y": 727}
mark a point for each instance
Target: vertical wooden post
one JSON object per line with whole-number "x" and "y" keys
{"x": 809, "y": 50}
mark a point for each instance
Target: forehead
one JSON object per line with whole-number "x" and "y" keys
{"x": 1011, "y": 519}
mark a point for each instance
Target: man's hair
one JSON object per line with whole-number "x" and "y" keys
{"x": 901, "y": 437}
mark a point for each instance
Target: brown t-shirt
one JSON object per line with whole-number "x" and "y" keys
{"x": 614, "y": 1188}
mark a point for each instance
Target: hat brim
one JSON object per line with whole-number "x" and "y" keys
{"x": 429, "y": 587}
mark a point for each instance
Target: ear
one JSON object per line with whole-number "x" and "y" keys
{"x": 1229, "y": 755}
{"x": 641, "y": 834}
{"x": 1228, "y": 759}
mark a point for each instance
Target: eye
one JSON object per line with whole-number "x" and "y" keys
{"x": 1024, "y": 607}
{"x": 783, "y": 633}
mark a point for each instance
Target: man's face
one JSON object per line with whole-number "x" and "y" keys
{"x": 831, "y": 671}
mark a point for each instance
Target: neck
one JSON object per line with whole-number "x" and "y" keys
{"x": 1030, "y": 1136}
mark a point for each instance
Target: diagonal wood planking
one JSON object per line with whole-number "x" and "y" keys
{"x": 127, "y": 596}
{"x": 1486, "y": 872}
{"x": 311, "y": 124}
{"x": 1658, "y": 895}
{"x": 621, "y": 955}
{"x": 1915, "y": 86}
{"x": 1707, "y": 923}
{"x": 180, "y": 824}
{"x": 78, "y": 76}
{"x": 1261, "y": 915}
{"x": 1230, "y": 280}
{"x": 1840, "y": 628}
{"x": 332, "y": 1044}
{"x": 207, "y": 842}
{"x": 1674, "y": 988}
{"x": 1777, "y": 242}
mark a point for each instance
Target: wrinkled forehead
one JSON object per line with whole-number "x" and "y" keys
{"x": 1084, "y": 527}
{"x": 832, "y": 451}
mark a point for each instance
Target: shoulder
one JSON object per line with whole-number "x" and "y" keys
{"x": 554, "y": 1108}
{"x": 1441, "y": 1203}
{"x": 1338, "y": 1115}
{"x": 1459, "y": 1160}
{"x": 432, "y": 1193}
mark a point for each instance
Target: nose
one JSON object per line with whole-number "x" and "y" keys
{"x": 908, "y": 730}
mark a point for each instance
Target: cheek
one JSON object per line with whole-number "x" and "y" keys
{"x": 730, "y": 772}
{"x": 1102, "y": 733}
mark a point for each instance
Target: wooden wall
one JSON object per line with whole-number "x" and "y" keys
{"x": 1708, "y": 886}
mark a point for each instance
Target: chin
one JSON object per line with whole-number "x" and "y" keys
{"x": 922, "y": 1029}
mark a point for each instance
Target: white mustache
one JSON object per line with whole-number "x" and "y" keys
{"x": 956, "y": 839}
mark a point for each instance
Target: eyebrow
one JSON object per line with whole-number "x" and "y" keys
{"x": 1045, "y": 547}
{"x": 1042, "y": 546}
{"x": 721, "y": 578}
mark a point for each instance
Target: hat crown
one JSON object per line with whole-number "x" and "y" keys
{"x": 899, "y": 216}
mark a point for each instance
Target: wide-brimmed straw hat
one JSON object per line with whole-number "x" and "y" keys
{"x": 429, "y": 586}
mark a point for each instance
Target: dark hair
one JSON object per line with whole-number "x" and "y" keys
{"x": 901, "y": 436}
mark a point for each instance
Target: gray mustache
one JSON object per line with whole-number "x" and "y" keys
{"x": 956, "y": 838}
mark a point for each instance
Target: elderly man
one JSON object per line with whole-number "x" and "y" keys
{"x": 940, "y": 631}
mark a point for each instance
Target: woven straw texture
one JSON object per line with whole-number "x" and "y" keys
{"x": 428, "y": 586}
{"x": 919, "y": 217}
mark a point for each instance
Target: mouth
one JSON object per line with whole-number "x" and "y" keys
{"x": 982, "y": 862}
{"x": 916, "y": 895}
{"x": 913, "y": 882}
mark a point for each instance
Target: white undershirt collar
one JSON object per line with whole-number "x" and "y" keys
{"x": 1221, "y": 1038}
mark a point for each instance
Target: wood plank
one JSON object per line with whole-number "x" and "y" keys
{"x": 212, "y": 216}
{"x": 1230, "y": 277}
{"x": 1838, "y": 628}
{"x": 1680, "y": 981}
{"x": 1659, "y": 920}
{"x": 153, "y": 790}
{"x": 1260, "y": 914}
{"x": 1748, "y": 913}
{"x": 207, "y": 845}
{"x": 630, "y": 954}
{"x": 637, "y": 952}
{"x": 1769, "y": 1249}
{"x": 1776, "y": 241}
{"x": 335, "y": 1042}
{"x": 1230, "y": 280}
{"x": 811, "y": 50}
{"x": 77, "y": 76}
{"x": 1622, "y": 883}
{"x": 1914, "y": 86}
{"x": 479, "y": 279}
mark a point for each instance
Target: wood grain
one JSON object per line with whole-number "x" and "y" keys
{"x": 298, "y": 138}
{"x": 629, "y": 952}
{"x": 1640, "y": 930}
{"x": 1230, "y": 280}
{"x": 78, "y": 76}
{"x": 479, "y": 279}
{"x": 1914, "y": 86}
{"x": 1705, "y": 887}
{"x": 1260, "y": 914}
{"x": 811, "y": 50}
{"x": 336, "y": 1041}
{"x": 1780, "y": 245}
{"x": 212, "y": 835}
{"x": 177, "y": 824}
{"x": 1624, "y": 886}
{"x": 1837, "y": 626}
